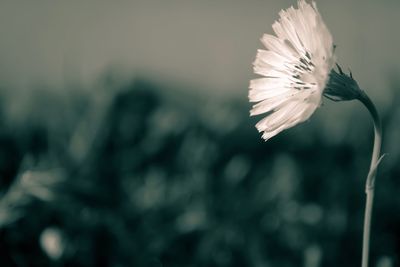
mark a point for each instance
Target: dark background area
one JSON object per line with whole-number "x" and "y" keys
{"x": 131, "y": 176}
{"x": 125, "y": 140}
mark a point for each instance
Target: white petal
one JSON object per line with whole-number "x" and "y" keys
{"x": 263, "y": 88}
{"x": 285, "y": 30}
{"x": 276, "y": 119}
{"x": 267, "y": 71}
{"x": 270, "y": 58}
{"x": 270, "y": 104}
{"x": 266, "y": 83}
{"x": 280, "y": 47}
{"x": 288, "y": 118}
{"x": 260, "y": 95}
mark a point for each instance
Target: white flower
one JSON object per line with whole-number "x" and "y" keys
{"x": 295, "y": 66}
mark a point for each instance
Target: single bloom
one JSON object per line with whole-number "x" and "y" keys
{"x": 295, "y": 67}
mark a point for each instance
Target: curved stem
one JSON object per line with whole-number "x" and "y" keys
{"x": 370, "y": 183}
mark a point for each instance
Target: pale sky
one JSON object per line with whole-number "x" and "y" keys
{"x": 209, "y": 44}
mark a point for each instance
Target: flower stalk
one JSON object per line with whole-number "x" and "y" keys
{"x": 370, "y": 182}
{"x": 343, "y": 87}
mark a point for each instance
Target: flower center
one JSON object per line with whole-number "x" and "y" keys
{"x": 305, "y": 74}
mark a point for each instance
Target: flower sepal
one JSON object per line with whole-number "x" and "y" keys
{"x": 342, "y": 87}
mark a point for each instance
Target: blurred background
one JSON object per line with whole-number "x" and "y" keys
{"x": 126, "y": 139}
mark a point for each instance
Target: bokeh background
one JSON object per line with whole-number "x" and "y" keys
{"x": 126, "y": 141}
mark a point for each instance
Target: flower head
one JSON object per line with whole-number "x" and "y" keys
{"x": 296, "y": 66}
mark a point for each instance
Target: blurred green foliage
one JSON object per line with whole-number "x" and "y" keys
{"x": 128, "y": 175}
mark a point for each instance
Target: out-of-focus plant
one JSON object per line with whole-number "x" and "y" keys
{"x": 163, "y": 184}
{"x": 29, "y": 185}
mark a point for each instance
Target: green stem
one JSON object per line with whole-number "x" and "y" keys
{"x": 370, "y": 183}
